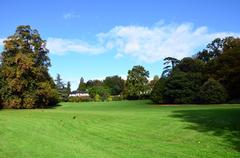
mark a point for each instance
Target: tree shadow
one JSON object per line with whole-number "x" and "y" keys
{"x": 223, "y": 122}
{"x": 54, "y": 106}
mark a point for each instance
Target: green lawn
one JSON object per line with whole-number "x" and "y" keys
{"x": 121, "y": 129}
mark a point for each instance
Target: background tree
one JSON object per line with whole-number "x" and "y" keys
{"x": 217, "y": 65}
{"x": 59, "y": 83}
{"x": 182, "y": 84}
{"x": 212, "y": 92}
{"x": 226, "y": 68}
{"x": 93, "y": 83}
{"x": 157, "y": 93}
{"x": 63, "y": 91}
{"x": 100, "y": 92}
{"x": 82, "y": 85}
{"x": 68, "y": 88}
{"x": 170, "y": 64}
{"x": 24, "y": 69}
{"x": 182, "y": 87}
{"x": 153, "y": 82}
{"x": 115, "y": 84}
{"x": 137, "y": 82}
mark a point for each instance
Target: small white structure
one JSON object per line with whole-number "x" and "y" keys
{"x": 79, "y": 94}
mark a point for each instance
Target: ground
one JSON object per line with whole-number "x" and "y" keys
{"x": 126, "y": 129}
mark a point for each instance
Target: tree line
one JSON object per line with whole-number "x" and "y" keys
{"x": 210, "y": 76}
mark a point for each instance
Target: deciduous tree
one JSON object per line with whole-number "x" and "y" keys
{"x": 24, "y": 69}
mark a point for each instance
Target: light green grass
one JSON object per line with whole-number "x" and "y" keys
{"x": 121, "y": 129}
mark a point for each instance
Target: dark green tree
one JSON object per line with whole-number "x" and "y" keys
{"x": 170, "y": 64}
{"x": 82, "y": 85}
{"x": 63, "y": 91}
{"x": 157, "y": 94}
{"x": 212, "y": 92}
{"x": 182, "y": 87}
{"x": 191, "y": 65}
{"x": 115, "y": 84}
{"x": 68, "y": 88}
{"x": 226, "y": 68}
{"x": 59, "y": 83}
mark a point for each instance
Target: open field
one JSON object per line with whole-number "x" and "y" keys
{"x": 121, "y": 129}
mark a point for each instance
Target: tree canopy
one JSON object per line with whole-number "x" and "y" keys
{"x": 191, "y": 79}
{"x": 137, "y": 82}
{"x": 24, "y": 71}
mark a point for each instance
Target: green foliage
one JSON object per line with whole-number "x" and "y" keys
{"x": 82, "y": 85}
{"x": 191, "y": 65}
{"x": 115, "y": 84}
{"x": 170, "y": 63}
{"x": 63, "y": 91}
{"x": 220, "y": 61}
{"x": 68, "y": 88}
{"x": 153, "y": 82}
{"x": 226, "y": 68}
{"x": 79, "y": 99}
{"x": 212, "y": 92}
{"x": 117, "y": 98}
{"x": 103, "y": 92}
{"x": 137, "y": 82}
{"x": 109, "y": 98}
{"x": 93, "y": 83}
{"x": 24, "y": 70}
{"x": 181, "y": 87}
{"x": 97, "y": 98}
{"x": 157, "y": 94}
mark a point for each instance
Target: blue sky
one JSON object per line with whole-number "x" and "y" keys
{"x": 94, "y": 39}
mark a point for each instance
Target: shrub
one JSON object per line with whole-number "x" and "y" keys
{"x": 117, "y": 97}
{"x": 79, "y": 99}
{"x": 212, "y": 92}
{"x": 97, "y": 98}
{"x": 109, "y": 98}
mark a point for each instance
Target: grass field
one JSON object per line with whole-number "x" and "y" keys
{"x": 121, "y": 129}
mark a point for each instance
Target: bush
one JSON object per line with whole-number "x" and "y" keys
{"x": 97, "y": 98}
{"x": 109, "y": 98}
{"x": 117, "y": 98}
{"x": 212, "y": 92}
{"x": 79, "y": 99}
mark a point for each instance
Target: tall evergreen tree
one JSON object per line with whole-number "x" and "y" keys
{"x": 82, "y": 85}
{"x": 68, "y": 88}
{"x": 63, "y": 91}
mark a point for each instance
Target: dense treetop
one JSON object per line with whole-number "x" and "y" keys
{"x": 26, "y": 82}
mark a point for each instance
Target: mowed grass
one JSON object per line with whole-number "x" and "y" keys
{"x": 123, "y": 129}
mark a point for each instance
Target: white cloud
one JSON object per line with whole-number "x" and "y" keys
{"x": 147, "y": 44}
{"x": 151, "y": 44}
{"x": 71, "y": 15}
{"x": 61, "y": 46}
{"x": 1, "y": 41}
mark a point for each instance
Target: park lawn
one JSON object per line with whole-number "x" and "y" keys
{"x": 122, "y": 129}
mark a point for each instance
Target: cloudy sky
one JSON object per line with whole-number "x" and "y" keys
{"x": 94, "y": 39}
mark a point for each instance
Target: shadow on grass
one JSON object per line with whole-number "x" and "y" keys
{"x": 53, "y": 106}
{"x": 222, "y": 122}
